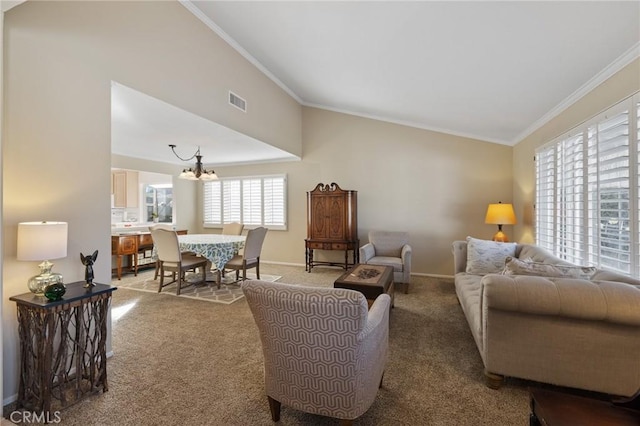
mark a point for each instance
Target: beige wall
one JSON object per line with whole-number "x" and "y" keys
{"x": 433, "y": 185}
{"x": 621, "y": 85}
{"x": 60, "y": 59}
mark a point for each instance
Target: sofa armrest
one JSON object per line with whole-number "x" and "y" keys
{"x": 459, "y": 250}
{"x": 405, "y": 255}
{"x": 607, "y": 301}
{"x": 367, "y": 251}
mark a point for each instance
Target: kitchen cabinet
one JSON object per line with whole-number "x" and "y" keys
{"x": 124, "y": 185}
{"x": 125, "y": 245}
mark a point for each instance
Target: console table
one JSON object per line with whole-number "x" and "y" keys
{"x": 62, "y": 346}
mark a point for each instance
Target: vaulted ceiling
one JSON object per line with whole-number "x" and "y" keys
{"x": 493, "y": 71}
{"x": 489, "y": 70}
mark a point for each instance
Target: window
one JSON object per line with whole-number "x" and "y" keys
{"x": 158, "y": 203}
{"x": 253, "y": 201}
{"x": 587, "y": 192}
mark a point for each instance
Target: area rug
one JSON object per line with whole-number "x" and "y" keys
{"x": 227, "y": 294}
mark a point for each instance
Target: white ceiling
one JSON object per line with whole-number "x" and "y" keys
{"x": 143, "y": 127}
{"x": 489, "y": 70}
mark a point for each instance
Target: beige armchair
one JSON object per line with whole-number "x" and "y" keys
{"x": 324, "y": 352}
{"x": 389, "y": 248}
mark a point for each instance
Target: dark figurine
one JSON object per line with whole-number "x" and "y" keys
{"x": 88, "y": 261}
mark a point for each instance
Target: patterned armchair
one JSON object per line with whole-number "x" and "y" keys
{"x": 389, "y": 248}
{"x": 324, "y": 352}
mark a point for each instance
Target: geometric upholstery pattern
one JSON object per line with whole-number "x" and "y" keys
{"x": 389, "y": 248}
{"x": 324, "y": 352}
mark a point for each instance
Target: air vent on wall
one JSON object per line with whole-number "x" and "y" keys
{"x": 237, "y": 102}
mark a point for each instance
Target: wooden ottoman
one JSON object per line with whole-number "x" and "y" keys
{"x": 370, "y": 280}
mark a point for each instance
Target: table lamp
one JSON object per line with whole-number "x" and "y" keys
{"x": 500, "y": 214}
{"x": 42, "y": 241}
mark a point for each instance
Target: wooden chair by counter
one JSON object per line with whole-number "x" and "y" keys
{"x": 172, "y": 260}
{"x": 250, "y": 258}
{"x": 233, "y": 228}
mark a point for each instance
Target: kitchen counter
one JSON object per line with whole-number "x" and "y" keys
{"x": 133, "y": 227}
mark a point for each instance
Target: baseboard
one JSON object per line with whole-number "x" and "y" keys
{"x": 10, "y": 400}
{"x": 282, "y": 263}
{"x": 420, "y": 274}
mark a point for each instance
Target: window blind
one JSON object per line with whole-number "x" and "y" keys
{"x": 570, "y": 199}
{"x": 253, "y": 201}
{"x": 587, "y": 193}
{"x": 545, "y": 197}
{"x": 609, "y": 184}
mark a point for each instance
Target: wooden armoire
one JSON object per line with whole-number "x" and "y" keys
{"x": 332, "y": 224}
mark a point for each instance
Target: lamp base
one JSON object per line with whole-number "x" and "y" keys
{"x": 38, "y": 283}
{"x": 501, "y": 237}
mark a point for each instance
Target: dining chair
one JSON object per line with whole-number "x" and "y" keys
{"x": 172, "y": 260}
{"x": 233, "y": 228}
{"x": 151, "y": 228}
{"x": 250, "y": 258}
{"x": 324, "y": 351}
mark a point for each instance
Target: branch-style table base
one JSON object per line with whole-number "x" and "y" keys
{"x": 62, "y": 347}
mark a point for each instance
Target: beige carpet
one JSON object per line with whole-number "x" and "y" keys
{"x": 179, "y": 361}
{"x": 226, "y": 294}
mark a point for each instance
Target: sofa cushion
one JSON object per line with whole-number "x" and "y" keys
{"x": 608, "y": 301}
{"x": 515, "y": 266}
{"x": 602, "y": 275}
{"x": 394, "y": 262}
{"x": 487, "y": 257}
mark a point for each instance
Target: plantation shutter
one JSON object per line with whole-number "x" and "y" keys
{"x": 231, "y": 204}
{"x": 637, "y": 139}
{"x": 212, "y": 202}
{"x": 252, "y": 201}
{"x": 274, "y": 201}
{"x": 570, "y": 200}
{"x": 609, "y": 193}
{"x": 545, "y": 197}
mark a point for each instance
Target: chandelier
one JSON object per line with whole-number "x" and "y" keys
{"x": 198, "y": 172}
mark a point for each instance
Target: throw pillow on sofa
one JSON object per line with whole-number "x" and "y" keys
{"x": 487, "y": 257}
{"x": 513, "y": 266}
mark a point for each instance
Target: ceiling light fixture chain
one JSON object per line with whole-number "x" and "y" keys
{"x": 173, "y": 148}
{"x": 197, "y": 173}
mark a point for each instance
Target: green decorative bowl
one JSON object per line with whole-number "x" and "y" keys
{"x": 55, "y": 291}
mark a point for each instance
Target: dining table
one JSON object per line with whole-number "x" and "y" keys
{"x": 216, "y": 248}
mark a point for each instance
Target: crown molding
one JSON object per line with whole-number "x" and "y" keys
{"x": 622, "y": 61}
{"x": 231, "y": 42}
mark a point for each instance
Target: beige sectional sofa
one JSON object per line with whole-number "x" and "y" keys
{"x": 575, "y": 332}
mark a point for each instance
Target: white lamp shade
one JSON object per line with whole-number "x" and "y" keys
{"x": 42, "y": 240}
